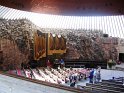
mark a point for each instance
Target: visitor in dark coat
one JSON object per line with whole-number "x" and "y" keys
{"x": 91, "y": 76}
{"x": 73, "y": 83}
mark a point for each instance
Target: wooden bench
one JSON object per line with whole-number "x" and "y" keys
{"x": 111, "y": 84}
{"x": 113, "y": 81}
{"x": 106, "y": 87}
{"x": 102, "y": 90}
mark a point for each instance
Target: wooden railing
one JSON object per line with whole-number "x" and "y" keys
{"x": 86, "y": 63}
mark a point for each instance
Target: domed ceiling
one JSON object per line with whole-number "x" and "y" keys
{"x": 68, "y": 7}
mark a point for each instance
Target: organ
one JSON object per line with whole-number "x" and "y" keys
{"x": 45, "y": 44}
{"x": 39, "y": 46}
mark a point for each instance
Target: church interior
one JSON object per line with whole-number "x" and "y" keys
{"x": 61, "y": 46}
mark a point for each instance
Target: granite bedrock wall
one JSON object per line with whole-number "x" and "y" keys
{"x": 16, "y": 43}
{"x": 16, "y": 38}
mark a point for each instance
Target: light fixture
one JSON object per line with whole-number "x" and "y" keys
{"x": 53, "y": 35}
{"x": 59, "y": 36}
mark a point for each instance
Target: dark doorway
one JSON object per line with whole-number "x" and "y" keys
{"x": 121, "y": 57}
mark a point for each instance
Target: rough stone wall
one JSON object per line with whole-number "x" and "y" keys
{"x": 12, "y": 56}
{"x": 16, "y": 38}
{"x": 88, "y": 45}
{"x": 16, "y": 43}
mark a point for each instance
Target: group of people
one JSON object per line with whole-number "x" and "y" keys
{"x": 95, "y": 75}
{"x": 60, "y": 63}
{"x": 70, "y": 76}
{"x": 74, "y": 75}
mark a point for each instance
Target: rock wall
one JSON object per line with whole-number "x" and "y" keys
{"x": 88, "y": 45}
{"x": 16, "y": 43}
{"x": 12, "y": 56}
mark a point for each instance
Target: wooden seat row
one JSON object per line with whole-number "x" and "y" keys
{"x": 115, "y": 88}
{"x": 106, "y": 86}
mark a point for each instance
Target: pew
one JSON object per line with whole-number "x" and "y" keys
{"x": 37, "y": 76}
{"x": 23, "y": 73}
{"x": 113, "y": 81}
{"x": 106, "y": 87}
{"x": 46, "y": 77}
{"x": 101, "y": 90}
{"x": 12, "y": 72}
{"x": 27, "y": 73}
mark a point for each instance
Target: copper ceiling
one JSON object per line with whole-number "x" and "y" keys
{"x": 68, "y": 7}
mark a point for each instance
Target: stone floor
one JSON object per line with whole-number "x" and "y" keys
{"x": 120, "y": 67}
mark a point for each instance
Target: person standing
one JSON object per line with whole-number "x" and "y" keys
{"x": 73, "y": 83}
{"x": 91, "y": 76}
{"x": 94, "y": 76}
{"x": 99, "y": 68}
{"x": 48, "y": 64}
{"x": 62, "y": 63}
{"x": 98, "y": 76}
